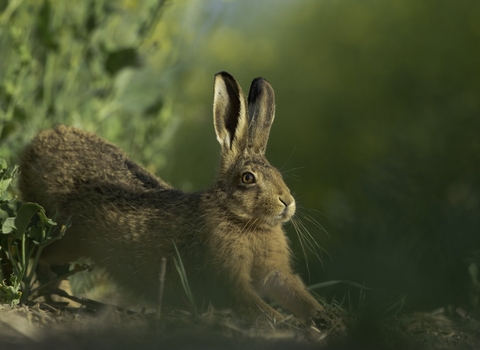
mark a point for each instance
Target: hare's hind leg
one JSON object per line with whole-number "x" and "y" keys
{"x": 47, "y": 273}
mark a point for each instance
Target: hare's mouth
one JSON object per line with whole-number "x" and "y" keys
{"x": 286, "y": 214}
{"x": 276, "y": 219}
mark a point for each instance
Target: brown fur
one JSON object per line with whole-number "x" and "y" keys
{"x": 230, "y": 237}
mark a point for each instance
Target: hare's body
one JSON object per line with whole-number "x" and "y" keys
{"x": 230, "y": 238}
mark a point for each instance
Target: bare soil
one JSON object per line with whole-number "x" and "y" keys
{"x": 45, "y": 327}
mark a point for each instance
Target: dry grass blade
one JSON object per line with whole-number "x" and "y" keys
{"x": 183, "y": 278}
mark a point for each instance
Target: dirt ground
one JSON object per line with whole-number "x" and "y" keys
{"x": 43, "y": 327}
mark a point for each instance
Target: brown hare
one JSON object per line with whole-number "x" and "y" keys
{"x": 230, "y": 237}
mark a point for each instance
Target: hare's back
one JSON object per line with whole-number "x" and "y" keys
{"x": 62, "y": 159}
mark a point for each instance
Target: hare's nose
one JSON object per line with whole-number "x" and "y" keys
{"x": 289, "y": 206}
{"x": 287, "y": 200}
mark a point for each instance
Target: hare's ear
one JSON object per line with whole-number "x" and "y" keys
{"x": 261, "y": 112}
{"x": 230, "y": 113}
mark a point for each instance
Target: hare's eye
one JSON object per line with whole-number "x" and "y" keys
{"x": 248, "y": 178}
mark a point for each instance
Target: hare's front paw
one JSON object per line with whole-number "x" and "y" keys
{"x": 271, "y": 314}
{"x": 321, "y": 319}
{"x": 258, "y": 311}
{"x": 331, "y": 319}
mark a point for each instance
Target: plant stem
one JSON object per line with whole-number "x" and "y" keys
{"x": 163, "y": 269}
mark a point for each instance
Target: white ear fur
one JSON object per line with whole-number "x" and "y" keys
{"x": 220, "y": 98}
{"x": 230, "y": 113}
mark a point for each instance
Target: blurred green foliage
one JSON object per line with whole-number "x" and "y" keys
{"x": 376, "y": 131}
{"x": 84, "y": 63}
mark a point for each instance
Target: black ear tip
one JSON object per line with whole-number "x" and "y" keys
{"x": 259, "y": 80}
{"x": 259, "y": 85}
{"x": 224, "y": 75}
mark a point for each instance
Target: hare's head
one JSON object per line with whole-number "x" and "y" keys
{"x": 252, "y": 189}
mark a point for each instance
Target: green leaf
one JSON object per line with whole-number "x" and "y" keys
{"x": 8, "y": 226}
{"x": 24, "y": 215}
{"x": 35, "y": 234}
{"x": 4, "y": 185}
{"x": 6, "y": 178}
{"x": 45, "y": 220}
{"x": 3, "y": 213}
